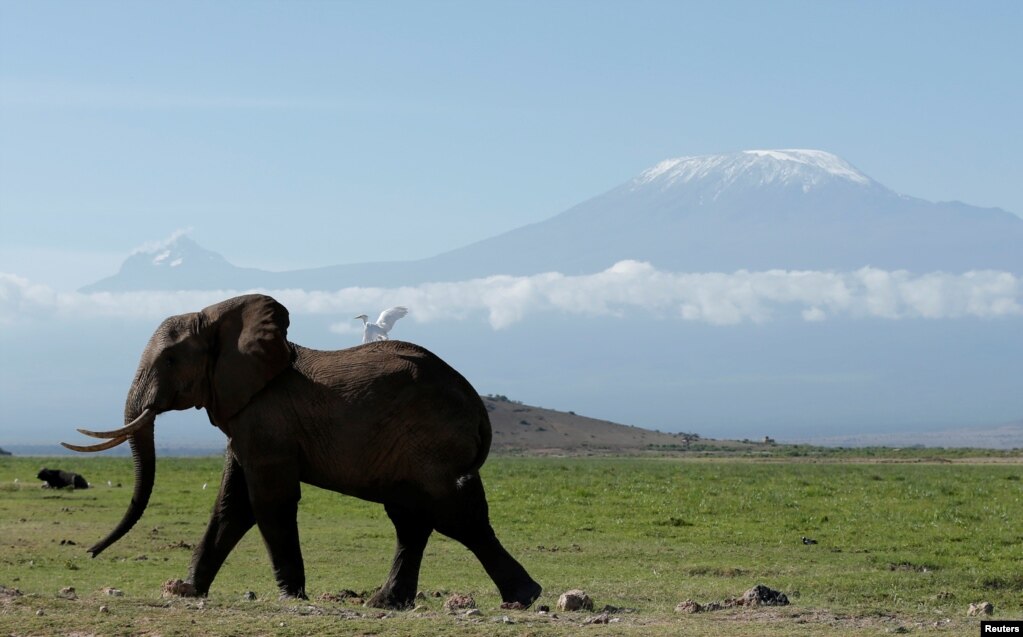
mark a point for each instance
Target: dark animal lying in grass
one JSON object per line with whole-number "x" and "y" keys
{"x": 58, "y": 479}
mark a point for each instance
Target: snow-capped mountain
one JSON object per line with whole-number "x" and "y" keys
{"x": 805, "y": 169}
{"x": 758, "y": 210}
{"x": 755, "y": 210}
{"x": 178, "y": 263}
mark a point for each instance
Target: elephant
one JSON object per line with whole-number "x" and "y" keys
{"x": 388, "y": 422}
{"x": 59, "y": 479}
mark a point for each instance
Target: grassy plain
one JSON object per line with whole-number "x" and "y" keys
{"x": 902, "y": 546}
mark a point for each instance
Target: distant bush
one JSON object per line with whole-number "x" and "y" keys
{"x": 501, "y": 398}
{"x": 5, "y": 453}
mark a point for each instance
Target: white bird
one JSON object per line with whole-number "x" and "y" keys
{"x": 378, "y": 331}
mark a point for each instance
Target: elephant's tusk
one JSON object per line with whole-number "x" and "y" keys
{"x": 97, "y": 447}
{"x": 132, "y": 427}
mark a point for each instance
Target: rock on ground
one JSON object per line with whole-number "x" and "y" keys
{"x": 575, "y": 599}
{"x": 178, "y": 587}
{"x": 759, "y": 595}
{"x": 459, "y": 602}
{"x": 980, "y": 608}
{"x": 689, "y": 606}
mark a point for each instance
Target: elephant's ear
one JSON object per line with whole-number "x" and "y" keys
{"x": 250, "y": 347}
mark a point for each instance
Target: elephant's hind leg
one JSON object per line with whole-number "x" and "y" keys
{"x": 467, "y": 520}
{"x": 232, "y": 517}
{"x": 413, "y": 530}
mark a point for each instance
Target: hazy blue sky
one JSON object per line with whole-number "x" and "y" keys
{"x": 312, "y": 133}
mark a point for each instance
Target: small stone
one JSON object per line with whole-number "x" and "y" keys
{"x": 249, "y": 596}
{"x": 688, "y": 606}
{"x": 68, "y": 592}
{"x": 513, "y": 606}
{"x": 761, "y": 595}
{"x": 459, "y": 602}
{"x": 104, "y": 609}
{"x": 178, "y": 587}
{"x": 575, "y": 599}
{"x": 40, "y": 612}
{"x": 544, "y": 609}
{"x": 472, "y": 612}
{"x": 113, "y": 592}
{"x": 980, "y": 608}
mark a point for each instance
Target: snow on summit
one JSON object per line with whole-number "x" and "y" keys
{"x": 174, "y": 252}
{"x": 806, "y": 168}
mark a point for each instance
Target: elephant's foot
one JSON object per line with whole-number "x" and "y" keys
{"x": 287, "y": 594}
{"x": 525, "y": 594}
{"x": 181, "y": 588}
{"x": 390, "y": 599}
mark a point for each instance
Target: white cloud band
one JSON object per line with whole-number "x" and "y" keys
{"x": 626, "y": 288}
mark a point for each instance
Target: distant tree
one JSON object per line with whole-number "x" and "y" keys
{"x": 5, "y": 453}
{"x": 688, "y": 438}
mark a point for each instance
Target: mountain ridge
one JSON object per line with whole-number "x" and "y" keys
{"x": 792, "y": 209}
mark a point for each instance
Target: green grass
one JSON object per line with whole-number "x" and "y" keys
{"x": 901, "y": 546}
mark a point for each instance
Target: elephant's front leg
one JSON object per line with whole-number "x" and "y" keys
{"x": 274, "y": 493}
{"x": 232, "y": 517}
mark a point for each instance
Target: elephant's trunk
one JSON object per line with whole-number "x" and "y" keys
{"x": 143, "y": 454}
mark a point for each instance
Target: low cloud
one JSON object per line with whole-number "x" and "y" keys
{"x": 626, "y": 289}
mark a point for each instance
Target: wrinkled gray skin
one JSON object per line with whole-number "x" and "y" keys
{"x": 387, "y": 422}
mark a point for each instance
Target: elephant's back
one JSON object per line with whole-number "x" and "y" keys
{"x": 402, "y": 407}
{"x": 382, "y": 366}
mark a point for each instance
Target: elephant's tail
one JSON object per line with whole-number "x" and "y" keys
{"x": 486, "y": 435}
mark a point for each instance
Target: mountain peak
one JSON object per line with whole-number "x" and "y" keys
{"x": 755, "y": 168}
{"x": 176, "y": 263}
{"x": 179, "y": 250}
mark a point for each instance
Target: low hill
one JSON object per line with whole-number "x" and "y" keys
{"x": 520, "y": 428}
{"x": 536, "y": 431}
